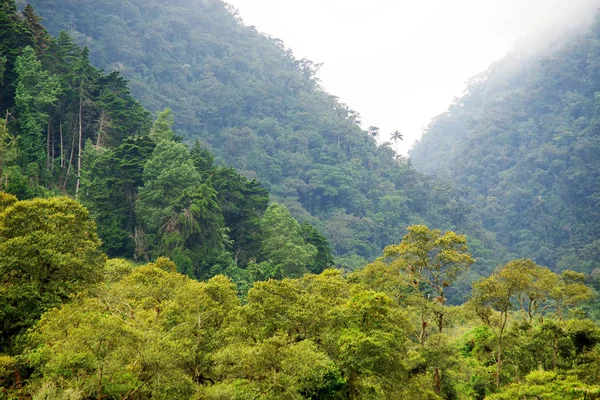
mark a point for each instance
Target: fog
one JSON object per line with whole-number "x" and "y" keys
{"x": 400, "y": 63}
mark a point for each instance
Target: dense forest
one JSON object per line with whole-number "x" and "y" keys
{"x": 70, "y": 129}
{"x": 260, "y": 110}
{"x": 523, "y": 144}
{"x": 142, "y": 258}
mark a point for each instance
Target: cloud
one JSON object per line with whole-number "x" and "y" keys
{"x": 399, "y": 63}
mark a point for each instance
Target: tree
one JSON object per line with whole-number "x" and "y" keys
{"x": 151, "y": 334}
{"x": 86, "y": 77}
{"x": 163, "y": 126}
{"x": 324, "y": 258}
{"x": 531, "y": 288}
{"x": 41, "y": 36}
{"x": 374, "y": 131}
{"x": 369, "y": 333}
{"x": 110, "y": 182}
{"x": 6, "y": 200}
{"x": 432, "y": 262}
{"x": 243, "y": 203}
{"x": 432, "y": 259}
{"x": 179, "y": 211}
{"x": 14, "y": 37}
{"x": 36, "y": 92}
{"x": 48, "y": 250}
{"x": 492, "y": 299}
{"x": 8, "y": 149}
{"x": 283, "y": 247}
{"x": 396, "y": 135}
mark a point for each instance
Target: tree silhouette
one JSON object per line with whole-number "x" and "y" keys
{"x": 396, "y": 135}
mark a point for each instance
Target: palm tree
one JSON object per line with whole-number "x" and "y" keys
{"x": 395, "y": 137}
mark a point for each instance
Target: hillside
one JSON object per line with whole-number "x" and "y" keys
{"x": 261, "y": 110}
{"x": 71, "y": 130}
{"x": 134, "y": 266}
{"x": 524, "y": 144}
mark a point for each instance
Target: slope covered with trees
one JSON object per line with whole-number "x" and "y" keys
{"x": 70, "y": 129}
{"x": 247, "y": 98}
{"x": 246, "y": 308}
{"x": 524, "y": 144}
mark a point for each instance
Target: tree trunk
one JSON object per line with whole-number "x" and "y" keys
{"x": 423, "y": 333}
{"x": 353, "y": 393}
{"x": 498, "y": 363}
{"x": 79, "y": 147}
{"x": 70, "y": 163}
{"x": 18, "y": 383}
{"x": 100, "y": 129}
{"x": 554, "y": 350}
{"x": 62, "y": 157}
{"x": 52, "y": 150}
{"x": 48, "y": 145}
{"x": 438, "y": 381}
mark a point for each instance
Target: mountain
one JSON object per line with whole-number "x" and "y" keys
{"x": 218, "y": 292}
{"x": 71, "y": 130}
{"x": 524, "y": 145}
{"x": 261, "y": 110}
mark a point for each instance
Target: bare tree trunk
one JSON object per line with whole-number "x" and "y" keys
{"x": 498, "y": 362}
{"x": 70, "y": 163}
{"x": 555, "y": 350}
{"x": 80, "y": 145}
{"x": 423, "y": 334}
{"x": 100, "y": 130}
{"x": 18, "y": 382}
{"x": 48, "y": 145}
{"x": 62, "y": 157}
{"x": 52, "y": 150}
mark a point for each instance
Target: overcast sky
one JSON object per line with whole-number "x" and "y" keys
{"x": 397, "y": 62}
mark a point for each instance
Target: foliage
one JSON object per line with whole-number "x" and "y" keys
{"x": 48, "y": 250}
{"x": 262, "y": 111}
{"x": 150, "y": 332}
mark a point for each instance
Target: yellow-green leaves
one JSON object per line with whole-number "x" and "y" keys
{"x": 432, "y": 258}
{"x": 48, "y": 250}
{"x": 149, "y": 335}
{"x": 6, "y": 200}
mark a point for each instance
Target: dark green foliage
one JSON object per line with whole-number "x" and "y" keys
{"x": 74, "y": 129}
{"x": 262, "y": 111}
{"x": 14, "y": 37}
{"x": 36, "y": 93}
{"x": 324, "y": 258}
{"x": 109, "y": 189}
{"x": 242, "y": 203}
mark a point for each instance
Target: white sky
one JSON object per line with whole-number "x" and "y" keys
{"x": 397, "y": 62}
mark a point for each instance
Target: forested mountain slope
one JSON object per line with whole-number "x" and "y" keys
{"x": 246, "y": 305}
{"x": 524, "y": 143}
{"x": 69, "y": 129}
{"x": 261, "y": 110}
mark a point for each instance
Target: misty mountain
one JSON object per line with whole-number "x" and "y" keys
{"x": 524, "y": 145}
{"x": 261, "y": 110}
{"x": 134, "y": 266}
